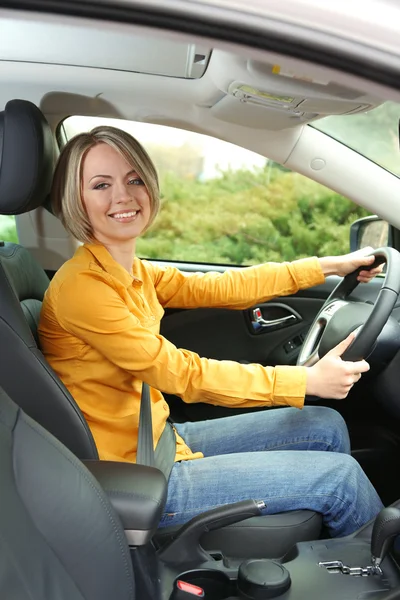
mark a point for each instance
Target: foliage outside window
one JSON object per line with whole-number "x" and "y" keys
{"x": 8, "y": 229}
{"x": 374, "y": 133}
{"x": 225, "y": 205}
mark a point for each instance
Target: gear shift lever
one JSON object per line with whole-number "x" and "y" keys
{"x": 386, "y": 527}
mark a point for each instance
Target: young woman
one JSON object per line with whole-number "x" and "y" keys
{"x": 99, "y": 330}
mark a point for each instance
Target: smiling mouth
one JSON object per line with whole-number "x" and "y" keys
{"x": 124, "y": 216}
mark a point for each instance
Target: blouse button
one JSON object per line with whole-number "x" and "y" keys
{"x": 165, "y": 406}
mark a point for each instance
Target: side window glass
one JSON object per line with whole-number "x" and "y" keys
{"x": 8, "y": 229}
{"x": 222, "y": 204}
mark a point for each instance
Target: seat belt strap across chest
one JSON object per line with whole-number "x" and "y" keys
{"x": 145, "y": 447}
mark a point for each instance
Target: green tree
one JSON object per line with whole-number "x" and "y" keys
{"x": 8, "y": 230}
{"x": 248, "y": 216}
{"x": 374, "y": 133}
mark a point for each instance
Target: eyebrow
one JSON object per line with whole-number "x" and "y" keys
{"x": 110, "y": 177}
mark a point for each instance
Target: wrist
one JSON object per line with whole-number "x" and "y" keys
{"x": 329, "y": 265}
{"x": 310, "y": 382}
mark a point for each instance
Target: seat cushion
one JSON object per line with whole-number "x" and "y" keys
{"x": 270, "y": 536}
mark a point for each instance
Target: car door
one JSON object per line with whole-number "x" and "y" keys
{"x": 237, "y": 335}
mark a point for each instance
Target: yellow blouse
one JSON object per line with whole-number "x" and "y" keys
{"x": 99, "y": 330}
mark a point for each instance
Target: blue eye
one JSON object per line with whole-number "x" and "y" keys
{"x": 101, "y": 186}
{"x": 136, "y": 181}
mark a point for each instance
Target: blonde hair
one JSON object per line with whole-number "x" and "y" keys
{"x": 66, "y": 191}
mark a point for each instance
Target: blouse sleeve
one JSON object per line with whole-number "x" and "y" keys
{"x": 91, "y": 309}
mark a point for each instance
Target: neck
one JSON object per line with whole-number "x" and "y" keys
{"x": 123, "y": 253}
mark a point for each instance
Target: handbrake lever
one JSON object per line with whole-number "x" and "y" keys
{"x": 185, "y": 545}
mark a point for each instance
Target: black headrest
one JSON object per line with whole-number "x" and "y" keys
{"x": 26, "y": 158}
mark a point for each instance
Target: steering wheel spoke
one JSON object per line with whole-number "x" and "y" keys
{"x": 310, "y": 351}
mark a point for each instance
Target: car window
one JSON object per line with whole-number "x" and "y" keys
{"x": 374, "y": 134}
{"x": 8, "y": 229}
{"x": 222, "y": 204}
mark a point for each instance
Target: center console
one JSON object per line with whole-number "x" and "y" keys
{"x": 358, "y": 567}
{"x": 324, "y": 569}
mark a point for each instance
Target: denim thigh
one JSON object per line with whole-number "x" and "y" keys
{"x": 291, "y": 459}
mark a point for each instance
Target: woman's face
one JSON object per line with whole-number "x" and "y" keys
{"x": 115, "y": 198}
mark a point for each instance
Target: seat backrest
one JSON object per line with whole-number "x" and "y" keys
{"x": 24, "y": 373}
{"x": 59, "y": 536}
{"x": 27, "y": 280}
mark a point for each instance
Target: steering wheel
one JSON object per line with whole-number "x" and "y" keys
{"x": 340, "y": 316}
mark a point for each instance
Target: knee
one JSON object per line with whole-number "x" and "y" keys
{"x": 332, "y": 417}
{"x": 333, "y": 425}
{"x": 351, "y": 477}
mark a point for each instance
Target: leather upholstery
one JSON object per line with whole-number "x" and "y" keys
{"x": 265, "y": 537}
{"x": 59, "y": 536}
{"x": 27, "y": 279}
{"x": 24, "y": 372}
{"x": 137, "y": 493}
{"x": 27, "y": 146}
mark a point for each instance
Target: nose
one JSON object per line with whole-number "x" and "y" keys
{"x": 122, "y": 195}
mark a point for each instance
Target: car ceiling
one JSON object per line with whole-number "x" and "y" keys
{"x": 84, "y": 67}
{"x": 153, "y": 77}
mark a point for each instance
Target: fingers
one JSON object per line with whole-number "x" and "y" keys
{"x": 343, "y": 392}
{"x": 372, "y": 272}
{"x": 364, "y": 279}
{"x": 342, "y": 346}
{"x": 347, "y": 384}
{"x": 363, "y": 259}
{"x": 366, "y": 276}
{"x": 360, "y": 366}
{"x": 350, "y": 379}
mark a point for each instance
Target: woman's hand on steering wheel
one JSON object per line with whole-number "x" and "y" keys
{"x": 332, "y": 377}
{"x": 347, "y": 263}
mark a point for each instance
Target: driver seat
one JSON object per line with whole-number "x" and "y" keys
{"x": 59, "y": 536}
{"x": 28, "y": 148}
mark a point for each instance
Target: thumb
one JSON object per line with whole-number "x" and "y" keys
{"x": 364, "y": 256}
{"x": 366, "y": 260}
{"x": 342, "y": 346}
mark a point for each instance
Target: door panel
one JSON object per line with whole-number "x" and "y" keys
{"x": 228, "y": 335}
{"x": 225, "y": 334}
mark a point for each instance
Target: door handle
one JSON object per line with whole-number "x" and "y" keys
{"x": 258, "y": 320}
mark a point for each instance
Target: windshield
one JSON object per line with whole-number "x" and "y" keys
{"x": 374, "y": 134}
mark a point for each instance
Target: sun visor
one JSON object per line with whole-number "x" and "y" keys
{"x": 118, "y": 48}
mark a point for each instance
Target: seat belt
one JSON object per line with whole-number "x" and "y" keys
{"x": 163, "y": 458}
{"x": 145, "y": 447}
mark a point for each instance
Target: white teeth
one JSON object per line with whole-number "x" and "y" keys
{"x": 125, "y": 215}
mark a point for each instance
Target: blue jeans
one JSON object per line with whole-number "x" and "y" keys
{"x": 292, "y": 459}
